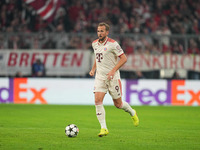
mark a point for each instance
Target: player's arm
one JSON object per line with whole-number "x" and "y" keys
{"x": 92, "y": 72}
{"x": 121, "y": 62}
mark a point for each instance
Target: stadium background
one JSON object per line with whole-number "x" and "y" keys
{"x": 160, "y": 39}
{"x": 162, "y": 44}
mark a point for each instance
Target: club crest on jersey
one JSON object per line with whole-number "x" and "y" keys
{"x": 105, "y": 49}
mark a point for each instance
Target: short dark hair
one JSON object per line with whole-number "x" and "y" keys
{"x": 104, "y": 24}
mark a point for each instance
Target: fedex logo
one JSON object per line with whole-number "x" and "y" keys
{"x": 185, "y": 92}
{"x": 176, "y": 92}
{"x": 147, "y": 92}
{"x": 15, "y": 90}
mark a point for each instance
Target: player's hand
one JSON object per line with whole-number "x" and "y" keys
{"x": 110, "y": 75}
{"x": 91, "y": 73}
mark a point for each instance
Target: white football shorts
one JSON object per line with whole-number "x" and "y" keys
{"x": 114, "y": 87}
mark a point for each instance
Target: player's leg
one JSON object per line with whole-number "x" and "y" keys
{"x": 127, "y": 108}
{"x": 100, "y": 89}
{"x": 115, "y": 90}
{"x": 100, "y": 112}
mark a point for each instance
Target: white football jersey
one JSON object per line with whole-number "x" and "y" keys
{"x": 106, "y": 55}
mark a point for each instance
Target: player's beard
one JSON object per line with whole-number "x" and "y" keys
{"x": 102, "y": 39}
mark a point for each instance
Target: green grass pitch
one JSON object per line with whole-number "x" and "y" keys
{"x": 41, "y": 127}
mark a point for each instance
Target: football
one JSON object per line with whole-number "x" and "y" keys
{"x": 71, "y": 130}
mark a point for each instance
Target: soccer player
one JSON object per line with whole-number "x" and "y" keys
{"x": 106, "y": 64}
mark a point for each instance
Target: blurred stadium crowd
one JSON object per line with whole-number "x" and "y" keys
{"x": 140, "y": 26}
{"x": 157, "y": 17}
{"x": 125, "y": 16}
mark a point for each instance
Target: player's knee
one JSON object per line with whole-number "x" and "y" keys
{"x": 118, "y": 105}
{"x": 98, "y": 102}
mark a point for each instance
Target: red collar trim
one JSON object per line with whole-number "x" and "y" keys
{"x": 106, "y": 41}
